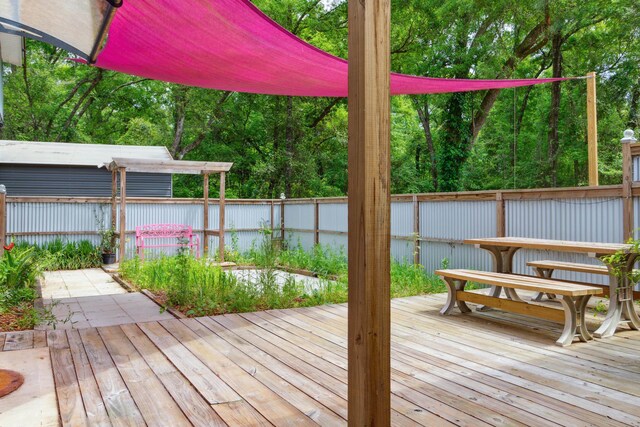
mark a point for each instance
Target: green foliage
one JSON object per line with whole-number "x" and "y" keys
{"x": 197, "y": 287}
{"x": 472, "y": 141}
{"x": 60, "y": 255}
{"x": 19, "y": 268}
{"x": 322, "y": 260}
{"x": 618, "y": 262}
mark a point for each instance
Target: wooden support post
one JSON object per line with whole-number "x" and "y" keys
{"x": 501, "y": 226}
{"x": 416, "y": 230}
{"x": 316, "y": 222}
{"x": 205, "y": 215}
{"x": 627, "y": 184}
{"x": 221, "y": 217}
{"x": 282, "y": 221}
{"x": 114, "y": 195}
{"x": 369, "y": 214}
{"x": 592, "y": 129}
{"x": 271, "y": 220}
{"x": 3, "y": 219}
{"x": 123, "y": 213}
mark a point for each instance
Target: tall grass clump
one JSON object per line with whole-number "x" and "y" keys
{"x": 62, "y": 255}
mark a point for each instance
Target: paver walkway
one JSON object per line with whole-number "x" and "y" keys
{"x": 91, "y": 298}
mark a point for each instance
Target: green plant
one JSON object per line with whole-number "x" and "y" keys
{"x": 108, "y": 240}
{"x": 60, "y": 255}
{"x": 19, "y": 268}
{"x": 108, "y": 235}
{"x": 618, "y": 263}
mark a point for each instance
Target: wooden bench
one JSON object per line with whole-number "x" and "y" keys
{"x": 574, "y": 298}
{"x": 546, "y": 268}
{"x": 182, "y": 235}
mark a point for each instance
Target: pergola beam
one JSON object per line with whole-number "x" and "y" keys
{"x": 369, "y": 238}
{"x": 170, "y": 166}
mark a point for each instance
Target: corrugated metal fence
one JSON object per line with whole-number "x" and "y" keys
{"x": 428, "y": 229}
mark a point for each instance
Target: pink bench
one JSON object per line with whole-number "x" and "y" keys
{"x": 182, "y": 233}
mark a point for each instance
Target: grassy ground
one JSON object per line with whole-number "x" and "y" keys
{"x": 197, "y": 288}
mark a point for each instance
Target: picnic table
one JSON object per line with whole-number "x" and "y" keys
{"x": 621, "y": 309}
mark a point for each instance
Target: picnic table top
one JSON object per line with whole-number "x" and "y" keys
{"x": 547, "y": 244}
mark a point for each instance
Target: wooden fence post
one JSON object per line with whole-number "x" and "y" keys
{"x": 123, "y": 214}
{"x": 221, "y": 216}
{"x": 369, "y": 237}
{"x": 627, "y": 184}
{"x": 592, "y": 129}
{"x": 501, "y": 226}
{"x": 316, "y": 222}
{"x": 3, "y": 218}
{"x": 114, "y": 194}
{"x": 416, "y": 230}
{"x": 282, "y": 219}
{"x": 205, "y": 215}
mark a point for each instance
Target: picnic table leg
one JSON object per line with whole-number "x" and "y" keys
{"x": 574, "y": 320}
{"x": 620, "y": 301}
{"x": 502, "y": 263}
{"x": 453, "y": 287}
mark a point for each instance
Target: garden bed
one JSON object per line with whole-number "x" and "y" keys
{"x": 197, "y": 287}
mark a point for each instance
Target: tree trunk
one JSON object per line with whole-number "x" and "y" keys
{"x": 553, "y": 141}
{"x": 289, "y": 147}
{"x": 425, "y": 120}
{"x": 454, "y": 150}
{"x": 633, "y": 122}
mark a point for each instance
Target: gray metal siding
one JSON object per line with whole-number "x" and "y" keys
{"x": 78, "y": 181}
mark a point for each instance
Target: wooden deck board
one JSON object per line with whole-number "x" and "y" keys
{"x": 288, "y": 367}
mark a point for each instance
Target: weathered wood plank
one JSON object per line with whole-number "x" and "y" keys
{"x": 39, "y": 339}
{"x": 240, "y": 413}
{"x": 92, "y": 399}
{"x": 22, "y": 340}
{"x": 212, "y": 388}
{"x": 119, "y": 403}
{"x": 70, "y": 402}
{"x": 281, "y": 385}
{"x": 34, "y": 403}
{"x": 195, "y": 407}
{"x": 154, "y": 402}
{"x": 264, "y": 400}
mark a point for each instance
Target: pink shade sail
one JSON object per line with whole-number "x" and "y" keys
{"x": 232, "y": 45}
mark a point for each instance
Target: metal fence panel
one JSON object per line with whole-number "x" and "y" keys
{"x": 333, "y": 216}
{"x": 435, "y": 255}
{"x": 299, "y": 216}
{"x": 301, "y": 239}
{"x": 402, "y": 219}
{"x": 586, "y": 220}
{"x": 457, "y": 220}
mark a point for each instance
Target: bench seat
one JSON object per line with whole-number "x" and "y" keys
{"x": 545, "y": 268}
{"x": 574, "y": 298}
{"x": 569, "y": 266}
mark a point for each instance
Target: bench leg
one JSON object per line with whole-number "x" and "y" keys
{"x": 581, "y": 306}
{"x": 544, "y": 273}
{"x": 570, "y": 322}
{"x": 574, "y": 320}
{"x": 453, "y": 286}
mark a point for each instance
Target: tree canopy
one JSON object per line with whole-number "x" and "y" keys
{"x": 514, "y": 138}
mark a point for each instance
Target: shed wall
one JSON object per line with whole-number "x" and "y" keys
{"x": 62, "y": 181}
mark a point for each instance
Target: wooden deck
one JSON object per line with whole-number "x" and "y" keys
{"x": 288, "y": 367}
